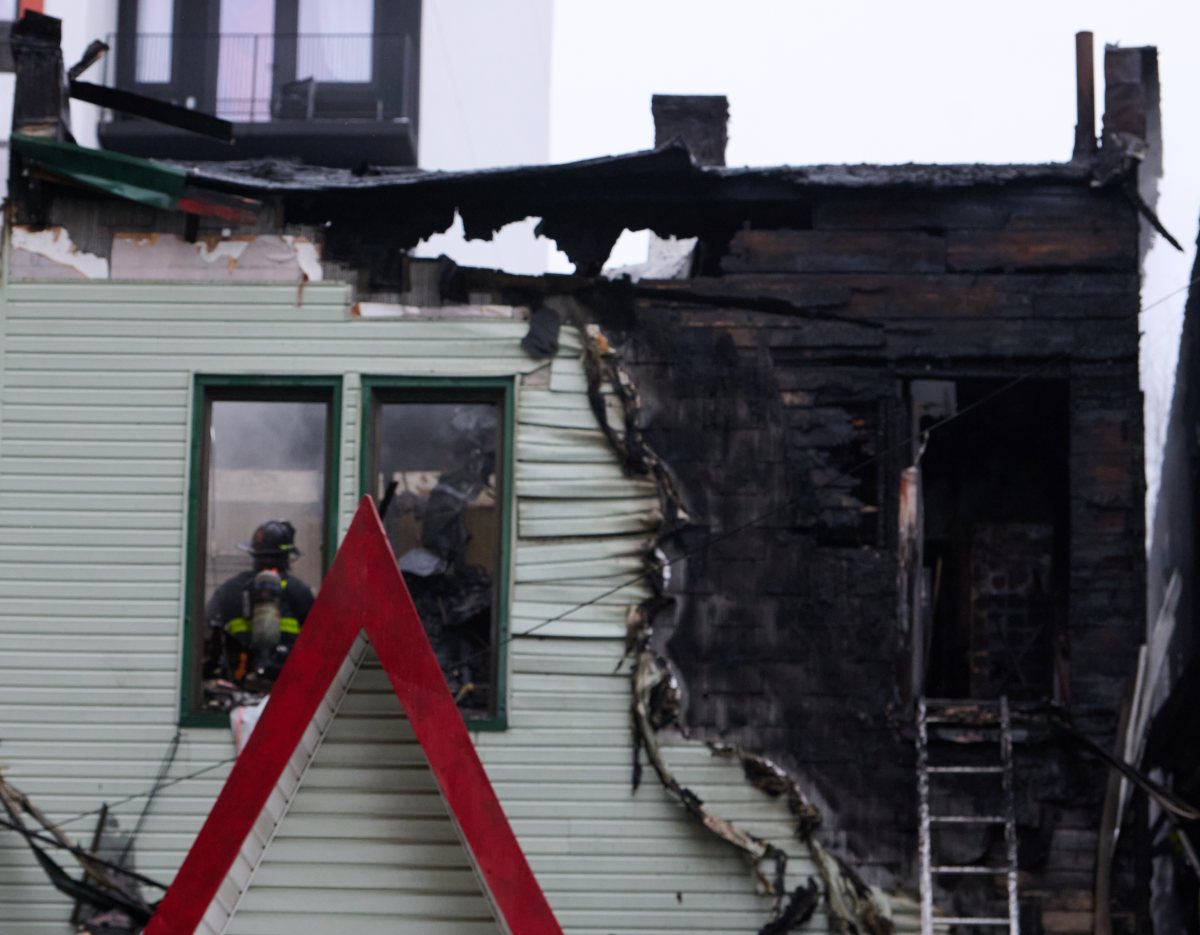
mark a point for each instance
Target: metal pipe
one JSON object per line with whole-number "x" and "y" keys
{"x": 1085, "y": 97}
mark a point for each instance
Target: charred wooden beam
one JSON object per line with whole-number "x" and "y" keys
{"x": 95, "y": 51}
{"x": 139, "y": 105}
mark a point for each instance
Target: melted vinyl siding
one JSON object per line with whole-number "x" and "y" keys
{"x": 93, "y": 452}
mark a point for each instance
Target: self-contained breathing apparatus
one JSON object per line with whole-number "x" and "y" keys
{"x": 253, "y": 627}
{"x": 266, "y": 654}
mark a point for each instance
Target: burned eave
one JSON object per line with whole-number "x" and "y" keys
{"x": 585, "y": 205}
{"x": 929, "y": 176}
{"x": 376, "y": 212}
{"x": 669, "y": 164}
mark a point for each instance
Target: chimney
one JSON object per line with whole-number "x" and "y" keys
{"x": 1131, "y": 91}
{"x": 40, "y": 101}
{"x": 700, "y": 121}
{"x": 1132, "y": 120}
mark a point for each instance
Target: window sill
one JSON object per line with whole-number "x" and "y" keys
{"x": 219, "y": 719}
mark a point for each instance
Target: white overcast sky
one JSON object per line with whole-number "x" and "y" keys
{"x": 850, "y": 81}
{"x": 881, "y": 81}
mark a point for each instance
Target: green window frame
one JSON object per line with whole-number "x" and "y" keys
{"x": 501, "y": 391}
{"x": 207, "y": 388}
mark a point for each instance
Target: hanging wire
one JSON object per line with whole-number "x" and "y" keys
{"x": 163, "y": 768}
{"x": 80, "y": 852}
{"x": 777, "y": 508}
{"x": 157, "y": 787}
{"x": 710, "y": 541}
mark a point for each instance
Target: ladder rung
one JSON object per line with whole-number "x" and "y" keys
{"x": 963, "y": 702}
{"x": 964, "y": 721}
{"x": 990, "y": 723}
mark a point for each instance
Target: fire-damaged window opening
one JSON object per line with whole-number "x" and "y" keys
{"x": 839, "y": 444}
{"x": 994, "y": 568}
{"x": 261, "y": 532}
{"x": 438, "y": 454}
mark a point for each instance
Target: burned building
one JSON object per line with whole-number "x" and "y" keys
{"x": 853, "y": 493}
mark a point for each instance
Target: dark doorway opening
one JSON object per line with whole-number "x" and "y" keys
{"x": 995, "y": 491}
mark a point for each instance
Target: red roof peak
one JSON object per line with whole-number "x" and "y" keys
{"x": 364, "y": 591}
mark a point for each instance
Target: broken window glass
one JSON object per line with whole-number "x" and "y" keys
{"x": 444, "y": 524}
{"x": 263, "y": 477}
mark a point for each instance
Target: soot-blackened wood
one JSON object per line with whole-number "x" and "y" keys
{"x": 1026, "y": 339}
{"x": 788, "y": 635}
{"x": 1044, "y": 207}
{"x": 883, "y": 296}
{"x": 1110, "y": 249}
{"x": 835, "y": 252}
{"x": 754, "y": 290}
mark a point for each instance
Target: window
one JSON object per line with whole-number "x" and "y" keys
{"x": 261, "y": 460}
{"x": 335, "y": 41}
{"x": 245, "y": 66}
{"x": 264, "y": 60}
{"x": 439, "y": 454}
{"x": 329, "y": 83}
{"x": 156, "y": 19}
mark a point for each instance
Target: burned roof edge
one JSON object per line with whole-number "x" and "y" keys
{"x": 670, "y": 162}
{"x": 583, "y": 206}
{"x": 278, "y": 176}
{"x": 916, "y": 175}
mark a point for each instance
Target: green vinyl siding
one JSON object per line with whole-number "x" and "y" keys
{"x": 373, "y": 814}
{"x": 94, "y": 486}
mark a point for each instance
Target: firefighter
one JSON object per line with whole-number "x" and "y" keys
{"x": 255, "y": 616}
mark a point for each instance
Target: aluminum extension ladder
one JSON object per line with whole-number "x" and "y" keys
{"x": 939, "y": 711}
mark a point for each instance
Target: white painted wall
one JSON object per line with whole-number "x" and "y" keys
{"x": 485, "y": 83}
{"x": 485, "y": 101}
{"x": 82, "y": 21}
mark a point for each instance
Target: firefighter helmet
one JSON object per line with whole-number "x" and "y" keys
{"x": 274, "y": 538}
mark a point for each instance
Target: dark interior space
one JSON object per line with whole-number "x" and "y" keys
{"x": 996, "y": 509}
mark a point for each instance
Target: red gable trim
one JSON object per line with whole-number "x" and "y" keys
{"x": 363, "y": 591}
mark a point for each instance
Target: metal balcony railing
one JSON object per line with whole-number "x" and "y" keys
{"x": 256, "y": 78}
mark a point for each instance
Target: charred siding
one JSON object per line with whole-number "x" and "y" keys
{"x": 776, "y": 391}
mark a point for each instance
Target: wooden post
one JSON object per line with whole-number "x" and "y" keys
{"x": 1142, "y": 868}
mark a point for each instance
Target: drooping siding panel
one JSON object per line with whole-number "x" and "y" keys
{"x": 609, "y": 860}
{"x": 93, "y": 466}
